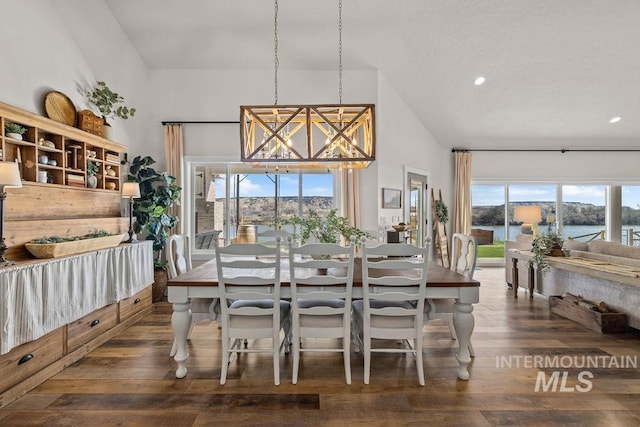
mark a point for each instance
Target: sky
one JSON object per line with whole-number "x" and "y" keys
{"x": 490, "y": 195}
{"x": 261, "y": 185}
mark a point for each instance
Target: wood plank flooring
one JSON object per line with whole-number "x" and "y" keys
{"x": 130, "y": 380}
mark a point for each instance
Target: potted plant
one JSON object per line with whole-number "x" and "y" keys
{"x": 107, "y": 103}
{"x": 14, "y": 130}
{"x": 92, "y": 170}
{"x": 548, "y": 244}
{"x": 324, "y": 230}
{"x": 158, "y": 193}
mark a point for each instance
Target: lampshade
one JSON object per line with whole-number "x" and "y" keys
{"x": 528, "y": 214}
{"x": 10, "y": 175}
{"x": 131, "y": 189}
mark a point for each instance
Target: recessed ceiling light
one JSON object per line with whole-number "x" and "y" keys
{"x": 615, "y": 119}
{"x": 479, "y": 81}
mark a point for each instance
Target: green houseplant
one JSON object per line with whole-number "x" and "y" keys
{"x": 158, "y": 193}
{"x": 106, "y": 101}
{"x": 545, "y": 245}
{"x": 92, "y": 170}
{"x": 324, "y": 230}
{"x": 14, "y": 130}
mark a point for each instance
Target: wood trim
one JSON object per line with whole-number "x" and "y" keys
{"x": 30, "y": 119}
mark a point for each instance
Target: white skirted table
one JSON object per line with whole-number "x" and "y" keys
{"x": 41, "y": 296}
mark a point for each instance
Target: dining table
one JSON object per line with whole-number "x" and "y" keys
{"x": 442, "y": 283}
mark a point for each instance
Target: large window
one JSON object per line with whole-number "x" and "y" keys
{"x": 488, "y": 209}
{"x": 233, "y": 198}
{"x": 631, "y": 215}
{"x": 543, "y": 196}
{"x": 583, "y": 211}
{"x": 577, "y": 211}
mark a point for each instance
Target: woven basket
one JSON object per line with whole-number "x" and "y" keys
{"x": 59, "y": 107}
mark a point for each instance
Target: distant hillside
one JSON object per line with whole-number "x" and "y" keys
{"x": 574, "y": 213}
{"x": 261, "y": 210}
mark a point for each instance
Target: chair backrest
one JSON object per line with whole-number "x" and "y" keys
{"x": 395, "y": 272}
{"x": 249, "y": 272}
{"x": 464, "y": 254}
{"x": 269, "y": 237}
{"x": 321, "y": 271}
{"x": 178, "y": 254}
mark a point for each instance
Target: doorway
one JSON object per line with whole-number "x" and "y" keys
{"x": 417, "y": 205}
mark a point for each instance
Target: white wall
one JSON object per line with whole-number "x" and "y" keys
{"x": 61, "y": 49}
{"x": 404, "y": 141}
{"x": 52, "y": 45}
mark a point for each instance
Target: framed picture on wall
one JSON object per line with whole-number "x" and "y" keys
{"x": 391, "y": 198}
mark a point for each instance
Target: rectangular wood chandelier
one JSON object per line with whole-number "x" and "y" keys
{"x": 308, "y": 136}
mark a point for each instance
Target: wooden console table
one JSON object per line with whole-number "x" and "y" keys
{"x": 522, "y": 256}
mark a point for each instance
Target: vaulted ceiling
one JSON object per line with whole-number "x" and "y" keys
{"x": 556, "y": 71}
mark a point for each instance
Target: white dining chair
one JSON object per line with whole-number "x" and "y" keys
{"x": 269, "y": 237}
{"x": 251, "y": 308}
{"x": 394, "y": 279}
{"x": 321, "y": 286}
{"x": 464, "y": 253}
{"x": 179, "y": 262}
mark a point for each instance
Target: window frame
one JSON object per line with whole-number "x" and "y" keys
{"x": 188, "y": 208}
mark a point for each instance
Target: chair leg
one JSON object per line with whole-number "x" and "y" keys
{"x": 452, "y": 330}
{"x": 225, "y": 359}
{"x": 472, "y": 353}
{"x": 276, "y": 357}
{"x": 367, "y": 357}
{"x": 296, "y": 356}
{"x": 287, "y": 335}
{"x": 346, "y": 349}
{"x": 419, "y": 363}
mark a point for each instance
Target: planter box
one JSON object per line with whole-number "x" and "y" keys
{"x": 599, "y": 322}
{"x": 483, "y": 237}
{"x": 55, "y": 250}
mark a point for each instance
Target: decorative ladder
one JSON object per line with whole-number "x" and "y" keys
{"x": 440, "y": 232}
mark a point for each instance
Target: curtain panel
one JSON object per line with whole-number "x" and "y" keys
{"x": 462, "y": 193}
{"x": 174, "y": 157}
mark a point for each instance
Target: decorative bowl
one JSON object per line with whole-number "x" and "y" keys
{"x": 399, "y": 227}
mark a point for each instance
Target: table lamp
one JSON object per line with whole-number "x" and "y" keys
{"x": 530, "y": 216}
{"x": 132, "y": 191}
{"x": 9, "y": 177}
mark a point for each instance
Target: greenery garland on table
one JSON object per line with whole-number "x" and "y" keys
{"x": 442, "y": 213}
{"x": 56, "y": 239}
{"x": 324, "y": 230}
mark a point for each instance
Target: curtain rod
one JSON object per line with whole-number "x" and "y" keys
{"x": 213, "y": 122}
{"x": 561, "y": 150}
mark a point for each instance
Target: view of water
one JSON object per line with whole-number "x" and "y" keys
{"x": 568, "y": 231}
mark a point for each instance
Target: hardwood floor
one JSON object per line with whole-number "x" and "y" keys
{"x": 131, "y": 381}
